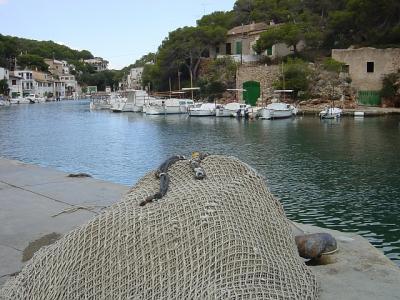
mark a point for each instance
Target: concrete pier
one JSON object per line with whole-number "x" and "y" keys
{"x": 367, "y": 110}
{"x": 38, "y": 204}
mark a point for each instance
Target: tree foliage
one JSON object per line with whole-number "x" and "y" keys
{"x": 220, "y": 75}
{"x": 32, "y": 61}
{"x": 294, "y": 77}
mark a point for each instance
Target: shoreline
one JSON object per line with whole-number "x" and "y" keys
{"x": 39, "y": 203}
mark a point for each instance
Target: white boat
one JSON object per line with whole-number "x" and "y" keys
{"x": 100, "y": 101}
{"x": 20, "y": 100}
{"x": 330, "y": 113}
{"x": 233, "y": 109}
{"x": 4, "y": 102}
{"x": 35, "y": 98}
{"x": 203, "y": 110}
{"x": 168, "y": 106}
{"x": 134, "y": 101}
{"x": 278, "y": 110}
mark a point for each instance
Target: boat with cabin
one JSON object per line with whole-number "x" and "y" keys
{"x": 133, "y": 102}
{"x": 168, "y": 106}
{"x": 35, "y": 98}
{"x": 233, "y": 109}
{"x": 203, "y": 109}
{"x": 100, "y": 101}
{"x": 277, "y": 110}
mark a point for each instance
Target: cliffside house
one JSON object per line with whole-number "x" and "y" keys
{"x": 98, "y": 63}
{"x": 367, "y": 67}
{"x": 241, "y": 39}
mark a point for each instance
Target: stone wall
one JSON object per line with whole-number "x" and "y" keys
{"x": 264, "y": 74}
{"x": 385, "y": 61}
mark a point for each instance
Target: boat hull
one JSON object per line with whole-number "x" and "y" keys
{"x": 165, "y": 110}
{"x": 201, "y": 113}
{"x": 269, "y": 114}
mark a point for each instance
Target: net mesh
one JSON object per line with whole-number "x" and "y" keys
{"x": 222, "y": 237}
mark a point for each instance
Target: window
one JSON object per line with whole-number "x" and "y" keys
{"x": 370, "y": 67}
{"x": 217, "y": 50}
{"x": 228, "y": 49}
{"x": 269, "y": 51}
{"x": 13, "y": 82}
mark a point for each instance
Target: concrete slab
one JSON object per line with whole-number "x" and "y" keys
{"x": 357, "y": 271}
{"x": 38, "y": 201}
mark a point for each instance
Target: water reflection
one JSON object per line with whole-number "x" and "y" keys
{"x": 342, "y": 174}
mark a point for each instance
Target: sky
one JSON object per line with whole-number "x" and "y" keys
{"x": 120, "y": 31}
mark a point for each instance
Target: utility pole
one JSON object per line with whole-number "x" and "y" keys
{"x": 241, "y": 47}
{"x": 179, "y": 80}
{"x": 191, "y": 82}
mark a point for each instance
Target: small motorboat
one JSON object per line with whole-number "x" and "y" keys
{"x": 330, "y": 113}
{"x": 278, "y": 110}
{"x": 233, "y": 109}
{"x": 203, "y": 110}
{"x": 168, "y": 106}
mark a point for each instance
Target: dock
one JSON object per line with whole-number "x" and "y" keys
{"x": 39, "y": 205}
{"x": 368, "y": 111}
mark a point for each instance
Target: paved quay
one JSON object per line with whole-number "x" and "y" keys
{"x": 39, "y": 202}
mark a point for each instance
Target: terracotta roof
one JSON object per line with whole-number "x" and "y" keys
{"x": 253, "y": 27}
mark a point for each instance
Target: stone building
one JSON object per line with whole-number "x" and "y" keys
{"x": 366, "y": 68}
{"x": 241, "y": 39}
{"x": 262, "y": 76}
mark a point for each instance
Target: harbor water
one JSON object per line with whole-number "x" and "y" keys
{"x": 339, "y": 174}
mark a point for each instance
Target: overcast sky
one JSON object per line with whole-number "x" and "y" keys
{"x": 120, "y": 31}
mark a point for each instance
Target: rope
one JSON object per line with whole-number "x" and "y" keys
{"x": 162, "y": 174}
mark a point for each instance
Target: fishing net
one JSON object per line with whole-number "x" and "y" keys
{"x": 222, "y": 237}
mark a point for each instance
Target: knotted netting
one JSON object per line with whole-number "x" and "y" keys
{"x": 223, "y": 237}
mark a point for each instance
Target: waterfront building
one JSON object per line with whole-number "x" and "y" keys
{"x": 98, "y": 63}
{"x": 71, "y": 85}
{"x": 59, "y": 89}
{"x": 15, "y": 85}
{"x": 241, "y": 39}
{"x": 43, "y": 84}
{"x": 366, "y": 67}
{"x": 27, "y": 82}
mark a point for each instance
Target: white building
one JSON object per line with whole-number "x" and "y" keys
{"x": 134, "y": 78}
{"x": 44, "y": 84}
{"x": 71, "y": 85}
{"x": 27, "y": 82}
{"x": 98, "y": 63}
{"x": 4, "y": 74}
{"x": 15, "y": 85}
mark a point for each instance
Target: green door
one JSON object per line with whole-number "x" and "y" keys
{"x": 252, "y": 92}
{"x": 239, "y": 47}
{"x": 369, "y": 98}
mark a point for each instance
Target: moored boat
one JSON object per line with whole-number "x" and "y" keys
{"x": 233, "y": 109}
{"x": 330, "y": 113}
{"x": 203, "y": 110}
{"x": 278, "y": 110}
{"x": 133, "y": 102}
{"x": 168, "y": 106}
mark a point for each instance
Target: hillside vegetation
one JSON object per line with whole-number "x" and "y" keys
{"x": 323, "y": 24}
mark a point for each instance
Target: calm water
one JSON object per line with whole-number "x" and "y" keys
{"x": 342, "y": 174}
